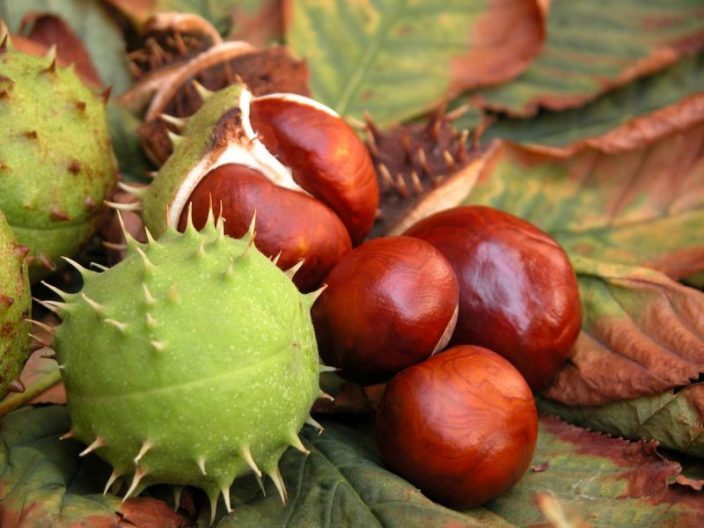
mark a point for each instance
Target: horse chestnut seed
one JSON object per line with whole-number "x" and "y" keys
{"x": 390, "y": 303}
{"x": 518, "y": 292}
{"x": 461, "y": 426}
{"x": 290, "y": 159}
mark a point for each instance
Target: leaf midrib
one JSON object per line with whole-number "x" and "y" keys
{"x": 371, "y": 50}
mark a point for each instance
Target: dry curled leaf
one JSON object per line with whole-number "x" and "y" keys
{"x": 642, "y": 334}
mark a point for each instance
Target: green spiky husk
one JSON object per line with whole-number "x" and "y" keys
{"x": 56, "y": 160}
{"x": 198, "y": 346}
{"x": 196, "y": 143}
{"x": 15, "y": 306}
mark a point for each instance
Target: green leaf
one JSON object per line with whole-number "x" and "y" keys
{"x": 342, "y": 484}
{"x": 604, "y": 481}
{"x": 43, "y": 482}
{"x": 394, "y": 58}
{"x": 100, "y": 35}
{"x": 673, "y": 418}
{"x": 591, "y": 48}
{"x": 606, "y": 113}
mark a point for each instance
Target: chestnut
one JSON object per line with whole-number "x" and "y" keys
{"x": 461, "y": 426}
{"x": 389, "y": 303}
{"x": 293, "y": 161}
{"x": 291, "y": 224}
{"x": 518, "y": 292}
{"x": 326, "y": 157}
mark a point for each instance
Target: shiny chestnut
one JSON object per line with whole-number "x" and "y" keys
{"x": 326, "y": 157}
{"x": 518, "y": 292}
{"x": 389, "y": 303}
{"x": 461, "y": 426}
{"x": 296, "y": 225}
{"x": 292, "y": 161}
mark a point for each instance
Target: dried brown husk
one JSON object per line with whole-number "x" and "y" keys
{"x": 413, "y": 160}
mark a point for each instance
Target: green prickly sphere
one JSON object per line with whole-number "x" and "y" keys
{"x": 191, "y": 362}
{"x": 56, "y": 160}
{"x": 15, "y": 304}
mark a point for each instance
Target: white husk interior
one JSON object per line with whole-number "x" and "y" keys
{"x": 253, "y": 155}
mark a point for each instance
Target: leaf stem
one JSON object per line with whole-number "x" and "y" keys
{"x": 43, "y": 384}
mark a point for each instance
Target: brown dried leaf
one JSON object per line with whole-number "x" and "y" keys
{"x": 642, "y": 334}
{"x": 145, "y": 512}
{"x": 52, "y": 30}
{"x": 504, "y": 41}
{"x": 639, "y": 131}
{"x": 260, "y": 26}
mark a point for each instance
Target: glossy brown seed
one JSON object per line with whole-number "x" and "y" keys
{"x": 290, "y": 222}
{"x": 390, "y": 303}
{"x": 518, "y": 291}
{"x": 326, "y": 157}
{"x": 462, "y": 426}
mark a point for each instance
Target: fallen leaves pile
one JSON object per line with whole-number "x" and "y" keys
{"x": 587, "y": 121}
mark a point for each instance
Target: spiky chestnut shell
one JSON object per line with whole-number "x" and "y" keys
{"x": 56, "y": 159}
{"x": 15, "y": 305}
{"x": 294, "y": 162}
{"x": 191, "y": 362}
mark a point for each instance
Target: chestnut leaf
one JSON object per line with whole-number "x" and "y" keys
{"x": 595, "y": 479}
{"x": 341, "y": 483}
{"x": 642, "y": 334}
{"x": 590, "y": 50}
{"x": 609, "y": 116}
{"x": 43, "y": 482}
{"x": 600, "y": 481}
{"x": 395, "y": 59}
{"x": 673, "y": 417}
{"x": 640, "y": 204}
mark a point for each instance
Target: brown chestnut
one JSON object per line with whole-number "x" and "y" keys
{"x": 326, "y": 157}
{"x": 299, "y": 166}
{"x": 462, "y": 426}
{"x": 389, "y": 303}
{"x": 291, "y": 223}
{"x": 518, "y": 292}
